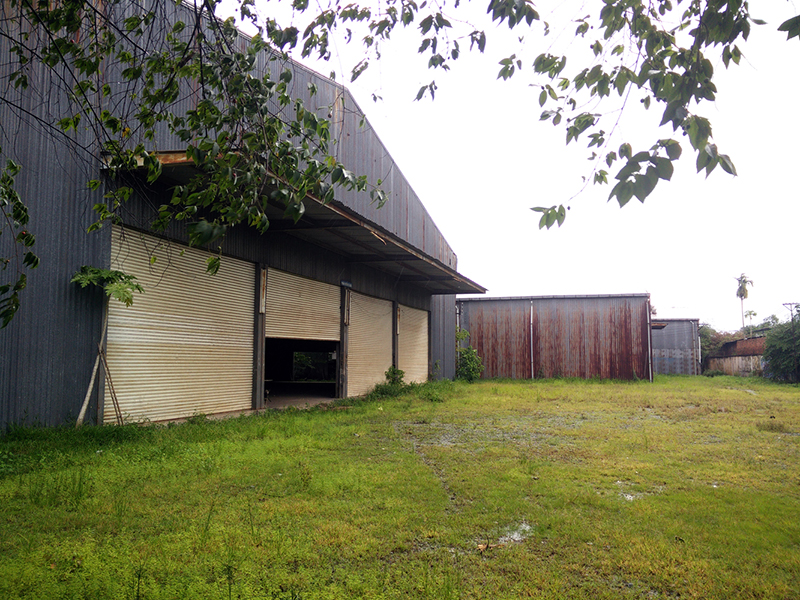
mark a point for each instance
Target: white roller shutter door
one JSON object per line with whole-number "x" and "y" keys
{"x": 300, "y": 308}
{"x": 369, "y": 352}
{"x": 185, "y": 346}
{"x": 413, "y": 344}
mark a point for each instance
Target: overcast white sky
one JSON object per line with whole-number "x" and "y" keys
{"x": 479, "y": 158}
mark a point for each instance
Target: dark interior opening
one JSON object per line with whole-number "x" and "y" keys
{"x": 300, "y": 369}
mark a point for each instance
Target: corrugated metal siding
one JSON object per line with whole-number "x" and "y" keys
{"x": 676, "y": 347}
{"x": 443, "y": 336}
{"x": 742, "y": 366}
{"x": 369, "y": 353}
{"x": 413, "y": 344}
{"x": 301, "y": 308}
{"x": 500, "y": 333}
{"x": 587, "y": 336}
{"x": 48, "y": 351}
{"x": 186, "y": 344}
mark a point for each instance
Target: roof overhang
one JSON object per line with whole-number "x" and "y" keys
{"x": 339, "y": 229}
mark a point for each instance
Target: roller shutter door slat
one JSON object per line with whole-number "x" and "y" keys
{"x": 302, "y": 309}
{"x": 369, "y": 353}
{"x": 413, "y": 344}
{"x": 185, "y": 346}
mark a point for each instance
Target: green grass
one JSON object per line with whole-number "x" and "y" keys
{"x": 684, "y": 488}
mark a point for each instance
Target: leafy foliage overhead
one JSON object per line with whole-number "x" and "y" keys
{"x": 660, "y": 55}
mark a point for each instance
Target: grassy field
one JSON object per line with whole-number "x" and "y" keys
{"x": 684, "y": 488}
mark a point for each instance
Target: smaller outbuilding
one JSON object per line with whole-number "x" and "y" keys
{"x": 605, "y": 336}
{"x": 740, "y": 357}
{"x": 676, "y": 346}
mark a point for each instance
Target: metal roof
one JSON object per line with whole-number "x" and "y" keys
{"x": 340, "y": 229}
{"x": 576, "y": 297}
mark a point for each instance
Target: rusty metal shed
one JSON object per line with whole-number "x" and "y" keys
{"x": 676, "y": 346}
{"x": 606, "y": 336}
{"x": 740, "y": 357}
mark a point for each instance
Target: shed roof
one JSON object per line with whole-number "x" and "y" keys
{"x": 576, "y": 297}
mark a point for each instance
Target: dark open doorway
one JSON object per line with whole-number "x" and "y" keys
{"x": 300, "y": 371}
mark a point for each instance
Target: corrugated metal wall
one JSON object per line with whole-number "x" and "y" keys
{"x": 500, "y": 331}
{"x": 355, "y": 145}
{"x": 676, "y": 347}
{"x": 742, "y": 366}
{"x": 443, "y": 337}
{"x": 48, "y": 351}
{"x": 560, "y": 336}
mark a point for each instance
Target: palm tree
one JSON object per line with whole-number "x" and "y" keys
{"x": 750, "y": 314}
{"x": 741, "y": 291}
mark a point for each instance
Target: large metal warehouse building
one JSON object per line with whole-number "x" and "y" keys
{"x": 362, "y": 287}
{"x": 560, "y": 336}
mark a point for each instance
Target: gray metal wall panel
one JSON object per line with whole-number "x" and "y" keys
{"x": 48, "y": 350}
{"x": 443, "y": 336}
{"x": 676, "y": 347}
{"x": 357, "y": 146}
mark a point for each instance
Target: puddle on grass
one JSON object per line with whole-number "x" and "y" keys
{"x": 630, "y": 496}
{"x": 517, "y": 534}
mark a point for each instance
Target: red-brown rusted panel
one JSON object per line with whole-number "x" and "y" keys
{"x": 578, "y": 336}
{"x": 748, "y": 347}
{"x": 500, "y": 334}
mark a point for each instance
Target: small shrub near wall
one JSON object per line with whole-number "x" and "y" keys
{"x": 469, "y": 365}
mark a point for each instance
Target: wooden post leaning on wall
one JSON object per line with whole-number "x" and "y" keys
{"x": 259, "y": 336}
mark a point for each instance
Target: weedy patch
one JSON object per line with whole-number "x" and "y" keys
{"x": 47, "y": 490}
{"x": 772, "y": 426}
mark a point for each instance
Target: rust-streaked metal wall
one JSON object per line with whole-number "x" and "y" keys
{"x": 500, "y": 332}
{"x": 676, "y": 346}
{"x": 561, "y": 336}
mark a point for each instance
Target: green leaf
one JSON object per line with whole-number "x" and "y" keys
{"x": 673, "y": 149}
{"x": 791, "y": 27}
{"x": 699, "y": 130}
{"x": 664, "y": 168}
{"x": 623, "y": 191}
{"x": 726, "y": 164}
{"x": 643, "y": 186}
{"x": 629, "y": 169}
